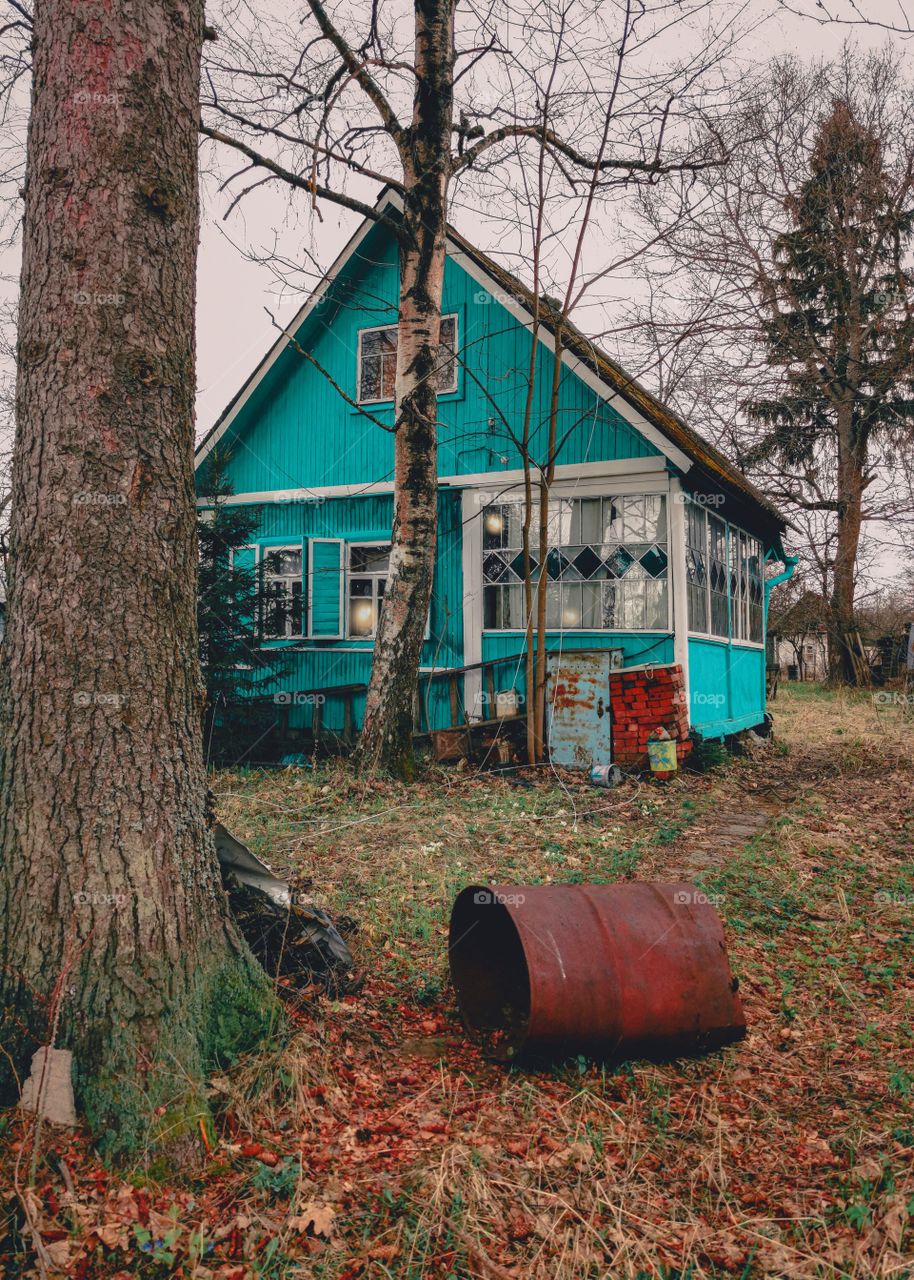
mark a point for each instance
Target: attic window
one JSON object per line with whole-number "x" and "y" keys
{"x": 378, "y": 361}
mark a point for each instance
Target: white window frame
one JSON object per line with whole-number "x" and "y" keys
{"x": 711, "y": 634}
{"x": 705, "y": 550}
{"x": 734, "y": 601}
{"x": 266, "y": 550}
{"x": 580, "y": 491}
{"x": 381, "y": 328}
{"x": 350, "y": 546}
{"x": 753, "y": 540}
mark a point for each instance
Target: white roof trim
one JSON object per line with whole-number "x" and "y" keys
{"x": 630, "y": 472}
{"x": 583, "y": 371}
{"x": 588, "y": 376}
{"x": 280, "y": 345}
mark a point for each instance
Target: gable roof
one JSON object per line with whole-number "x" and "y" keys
{"x": 684, "y": 445}
{"x": 809, "y": 612}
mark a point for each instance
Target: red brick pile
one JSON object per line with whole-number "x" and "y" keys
{"x": 645, "y": 699}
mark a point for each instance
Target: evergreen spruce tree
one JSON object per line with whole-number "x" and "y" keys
{"x": 839, "y": 320}
{"x": 230, "y": 610}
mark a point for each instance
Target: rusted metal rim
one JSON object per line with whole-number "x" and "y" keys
{"x": 617, "y": 970}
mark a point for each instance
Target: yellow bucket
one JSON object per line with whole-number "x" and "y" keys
{"x": 662, "y": 756}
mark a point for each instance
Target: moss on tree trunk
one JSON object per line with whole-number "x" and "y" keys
{"x": 116, "y": 939}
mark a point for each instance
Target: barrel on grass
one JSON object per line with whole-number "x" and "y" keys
{"x": 613, "y": 970}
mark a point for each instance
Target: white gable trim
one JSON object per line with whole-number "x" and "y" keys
{"x": 587, "y": 375}
{"x": 605, "y": 390}
{"x": 282, "y": 342}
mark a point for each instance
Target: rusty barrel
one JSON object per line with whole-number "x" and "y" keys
{"x": 616, "y": 970}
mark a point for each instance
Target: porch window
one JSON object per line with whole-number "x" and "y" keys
{"x": 755, "y": 564}
{"x": 717, "y": 576}
{"x": 732, "y": 568}
{"x": 606, "y": 564}
{"x": 696, "y": 523}
{"x": 378, "y": 361}
{"x": 747, "y": 586}
{"x": 282, "y": 591}
{"x": 368, "y": 567}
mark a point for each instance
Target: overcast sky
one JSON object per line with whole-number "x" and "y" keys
{"x": 234, "y": 330}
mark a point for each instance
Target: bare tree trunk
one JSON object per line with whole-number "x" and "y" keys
{"x": 109, "y": 877}
{"x": 546, "y": 481}
{"x": 849, "y": 522}
{"x": 386, "y": 739}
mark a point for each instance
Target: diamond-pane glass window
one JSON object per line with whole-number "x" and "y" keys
{"x": 654, "y": 561}
{"x": 589, "y": 564}
{"x": 619, "y": 562}
{"x": 494, "y": 568}
{"x": 591, "y": 542}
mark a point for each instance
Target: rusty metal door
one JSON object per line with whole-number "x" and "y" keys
{"x": 577, "y": 709}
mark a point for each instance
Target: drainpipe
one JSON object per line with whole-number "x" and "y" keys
{"x": 790, "y": 566}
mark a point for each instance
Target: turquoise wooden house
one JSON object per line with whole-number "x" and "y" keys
{"x": 661, "y": 551}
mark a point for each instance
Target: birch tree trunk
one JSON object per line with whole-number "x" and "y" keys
{"x": 116, "y": 940}
{"x": 386, "y": 739}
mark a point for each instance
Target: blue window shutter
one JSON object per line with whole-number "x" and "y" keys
{"x": 325, "y": 588}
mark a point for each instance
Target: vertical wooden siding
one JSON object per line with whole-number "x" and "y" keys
{"x": 726, "y": 685}
{"x": 297, "y": 431}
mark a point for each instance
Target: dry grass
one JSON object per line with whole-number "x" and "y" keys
{"x": 811, "y": 716}
{"x": 790, "y": 1154}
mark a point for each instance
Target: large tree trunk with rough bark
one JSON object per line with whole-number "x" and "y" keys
{"x": 386, "y": 740}
{"x": 115, "y": 938}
